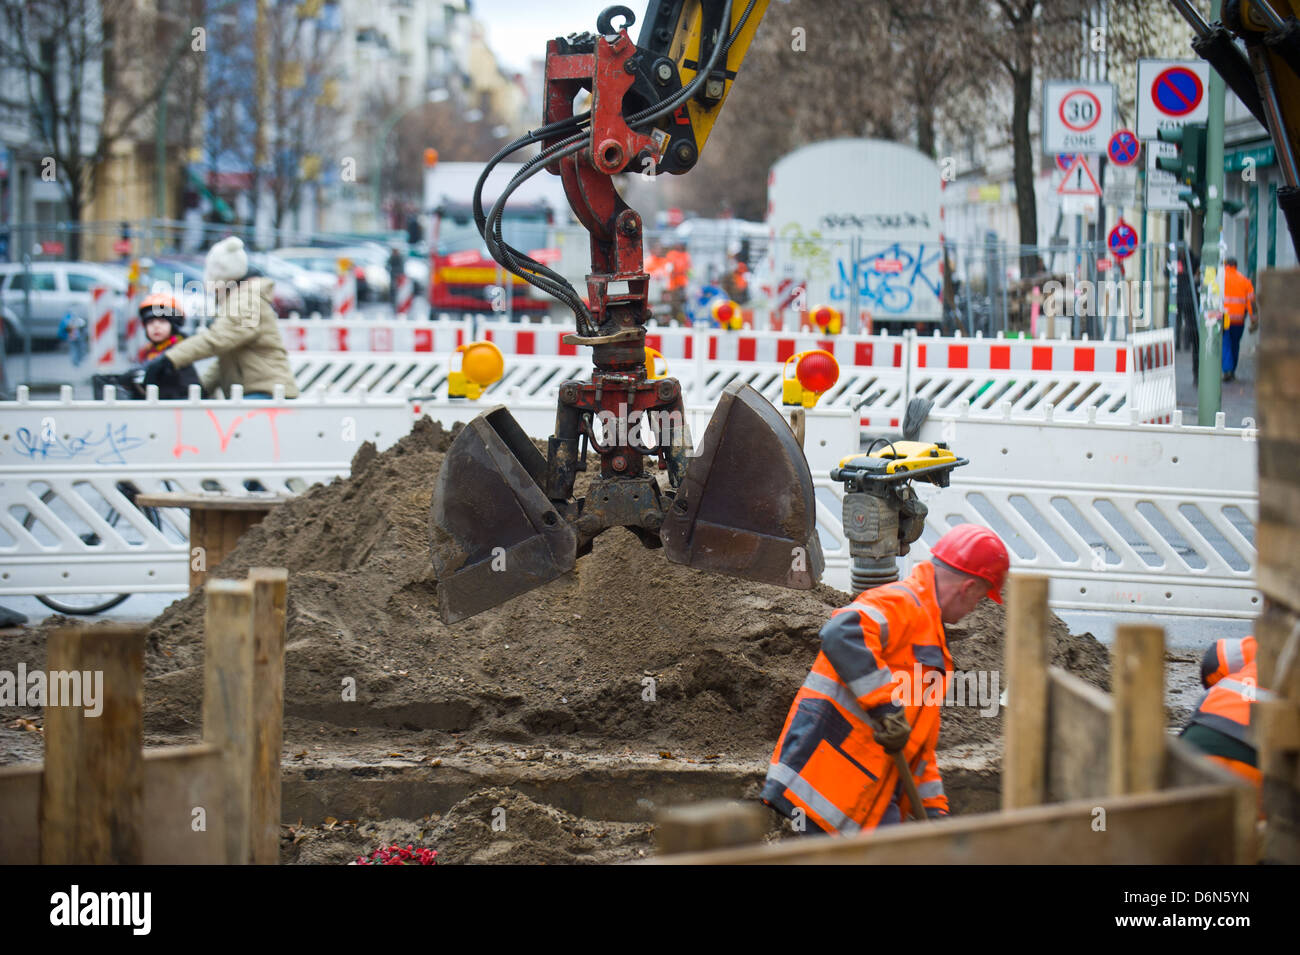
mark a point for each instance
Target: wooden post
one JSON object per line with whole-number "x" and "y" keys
{"x": 1137, "y": 731}
{"x": 1278, "y": 573}
{"x": 1024, "y": 764}
{"x": 92, "y": 792}
{"x": 270, "y": 587}
{"x": 709, "y": 825}
{"x": 228, "y": 703}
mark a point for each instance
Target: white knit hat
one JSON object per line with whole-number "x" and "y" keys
{"x": 226, "y": 261}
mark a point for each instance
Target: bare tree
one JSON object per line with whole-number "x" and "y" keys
{"x": 822, "y": 69}
{"x": 303, "y": 110}
{"x": 82, "y": 81}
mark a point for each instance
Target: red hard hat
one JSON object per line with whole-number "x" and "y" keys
{"x": 975, "y": 550}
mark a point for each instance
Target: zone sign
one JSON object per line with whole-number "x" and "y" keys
{"x": 1077, "y": 117}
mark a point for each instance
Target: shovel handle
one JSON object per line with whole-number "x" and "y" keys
{"x": 909, "y": 787}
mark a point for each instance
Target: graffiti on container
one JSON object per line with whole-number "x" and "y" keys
{"x": 889, "y": 279}
{"x": 809, "y": 251}
{"x": 876, "y": 220}
{"x": 108, "y": 446}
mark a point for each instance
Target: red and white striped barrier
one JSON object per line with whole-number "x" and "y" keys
{"x": 1153, "y": 386}
{"x": 103, "y": 329}
{"x": 1025, "y": 354}
{"x": 405, "y": 295}
{"x": 331, "y": 335}
{"x": 345, "y": 295}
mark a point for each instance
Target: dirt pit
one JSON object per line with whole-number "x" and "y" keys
{"x": 628, "y": 684}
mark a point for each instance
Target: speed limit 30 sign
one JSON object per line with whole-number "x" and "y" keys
{"x": 1077, "y": 117}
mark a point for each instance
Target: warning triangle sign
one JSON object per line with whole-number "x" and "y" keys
{"x": 1079, "y": 180}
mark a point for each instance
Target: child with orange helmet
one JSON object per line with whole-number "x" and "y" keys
{"x": 162, "y": 318}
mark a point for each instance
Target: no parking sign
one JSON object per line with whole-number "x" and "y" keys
{"x": 1171, "y": 93}
{"x": 1122, "y": 240}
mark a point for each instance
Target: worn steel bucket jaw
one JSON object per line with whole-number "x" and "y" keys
{"x": 493, "y": 533}
{"x": 746, "y": 506}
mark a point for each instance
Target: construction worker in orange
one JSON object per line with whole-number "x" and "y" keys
{"x": 1220, "y": 727}
{"x": 1238, "y": 302}
{"x": 679, "y": 272}
{"x": 833, "y": 769}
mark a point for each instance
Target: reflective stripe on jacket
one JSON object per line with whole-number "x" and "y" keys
{"x": 1226, "y": 656}
{"x": 1238, "y": 296}
{"x": 1226, "y": 705}
{"x": 827, "y": 762}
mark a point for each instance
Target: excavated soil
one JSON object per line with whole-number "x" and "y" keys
{"x": 629, "y": 654}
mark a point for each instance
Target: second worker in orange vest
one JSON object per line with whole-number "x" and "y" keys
{"x": 1220, "y": 727}
{"x": 833, "y": 765}
{"x": 1238, "y": 302}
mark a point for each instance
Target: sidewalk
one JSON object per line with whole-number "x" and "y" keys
{"x": 1238, "y": 396}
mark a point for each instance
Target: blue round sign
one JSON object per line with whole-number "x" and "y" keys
{"x": 1122, "y": 240}
{"x": 1177, "y": 91}
{"x": 1123, "y": 148}
{"x": 1064, "y": 161}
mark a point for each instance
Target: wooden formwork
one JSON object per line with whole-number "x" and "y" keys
{"x": 1087, "y": 777}
{"x": 1276, "y": 721}
{"x": 100, "y": 797}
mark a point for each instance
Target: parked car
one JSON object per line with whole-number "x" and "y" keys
{"x": 326, "y": 260}
{"x": 315, "y": 288}
{"x": 56, "y": 288}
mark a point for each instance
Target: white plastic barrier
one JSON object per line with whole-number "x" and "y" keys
{"x": 1121, "y": 516}
{"x": 67, "y": 467}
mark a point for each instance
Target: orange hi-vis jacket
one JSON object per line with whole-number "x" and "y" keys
{"x": 1226, "y": 708}
{"x": 827, "y": 762}
{"x": 1238, "y": 297}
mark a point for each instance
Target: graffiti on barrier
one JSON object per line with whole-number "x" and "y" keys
{"x": 180, "y": 448}
{"x": 107, "y": 446}
{"x": 891, "y": 278}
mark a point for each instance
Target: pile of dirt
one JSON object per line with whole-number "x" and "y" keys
{"x": 496, "y": 825}
{"x": 628, "y": 649}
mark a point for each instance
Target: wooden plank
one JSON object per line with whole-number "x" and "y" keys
{"x": 199, "y": 539}
{"x": 709, "y": 825}
{"x": 20, "y": 804}
{"x": 1279, "y": 556}
{"x": 1166, "y": 828}
{"x": 1024, "y": 763}
{"x": 228, "y": 701}
{"x": 210, "y": 502}
{"x": 1137, "y": 731}
{"x": 1278, "y": 570}
{"x": 177, "y": 780}
{"x": 183, "y": 790}
{"x": 1078, "y": 734}
{"x": 92, "y": 793}
{"x": 270, "y": 589}
{"x": 1186, "y": 767}
{"x": 1273, "y": 630}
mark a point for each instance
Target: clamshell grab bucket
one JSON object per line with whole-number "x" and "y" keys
{"x": 493, "y": 534}
{"x": 746, "y": 506}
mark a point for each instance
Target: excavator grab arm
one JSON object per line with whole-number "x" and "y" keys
{"x": 504, "y": 519}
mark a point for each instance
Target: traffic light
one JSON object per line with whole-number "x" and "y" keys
{"x": 1189, "y": 164}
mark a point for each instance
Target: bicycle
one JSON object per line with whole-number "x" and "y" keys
{"x": 128, "y": 385}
